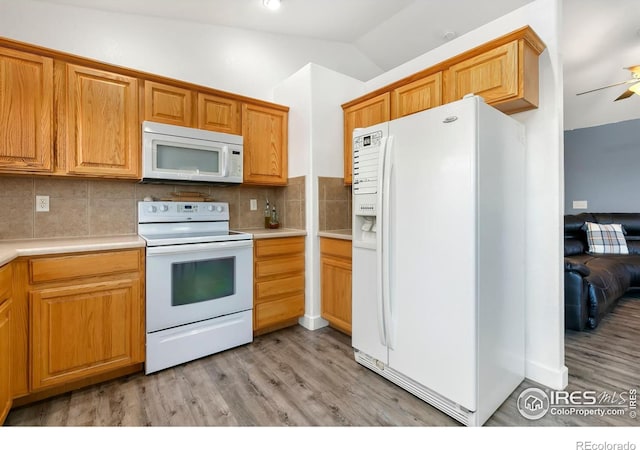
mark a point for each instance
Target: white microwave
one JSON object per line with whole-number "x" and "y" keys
{"x": 174, "y": 153}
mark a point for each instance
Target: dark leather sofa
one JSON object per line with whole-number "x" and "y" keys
{"x": 593, "y": 283}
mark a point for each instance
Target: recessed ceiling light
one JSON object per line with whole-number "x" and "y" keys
{"x": 449, "y": 35}
{"x": 271, "y": 4}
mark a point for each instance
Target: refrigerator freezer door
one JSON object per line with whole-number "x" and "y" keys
{"x": 433, "y": 325}
{"x": 366, "y": 319}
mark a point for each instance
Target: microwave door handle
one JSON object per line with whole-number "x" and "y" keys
{"x": 225, "y": 161}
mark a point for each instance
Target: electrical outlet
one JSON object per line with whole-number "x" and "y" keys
{"x": 42, "y": 203}
{"x": 253, "y": 204}
{"x": 580, "y": 204}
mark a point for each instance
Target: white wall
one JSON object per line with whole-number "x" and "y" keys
{"x": 229, "y": 59}
{"x": 545, "y": 180}
{"x": 295, "y": 92}
{"x": 330, "y": 90}
{"x": 314, "y": 95}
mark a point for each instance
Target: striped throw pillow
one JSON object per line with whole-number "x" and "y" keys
{"x": 606, "y": 239}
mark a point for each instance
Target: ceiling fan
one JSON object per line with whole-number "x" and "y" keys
{"x": 633, "y": 89}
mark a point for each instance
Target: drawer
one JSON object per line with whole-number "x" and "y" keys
{"x": 85, "y": 265}
{"x": 279, "y": 287}
{"x": 278, "y": 246}
{"x": 5, "y": 282}
{"x": 335, "y": 247}
{"x": 278, "y": 311}
{"x": 278, "y": 266}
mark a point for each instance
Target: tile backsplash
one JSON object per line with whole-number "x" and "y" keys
{"x": 334, "y": 204}
{"x": 108, "y": 207}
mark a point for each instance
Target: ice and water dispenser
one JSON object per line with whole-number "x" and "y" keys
{"x": 366, "y": 150}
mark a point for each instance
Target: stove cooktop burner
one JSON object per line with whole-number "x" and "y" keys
{"x": 194, "y": 237}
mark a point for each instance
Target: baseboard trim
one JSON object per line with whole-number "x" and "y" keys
{"x": 312, "y": 322}
{"x": 547, "y": 376}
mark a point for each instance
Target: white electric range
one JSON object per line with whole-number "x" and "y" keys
{"x": 199, "y": 281}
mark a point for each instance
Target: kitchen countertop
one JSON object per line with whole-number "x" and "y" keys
{"x": 336, "y": 234}
{"x": 12, "y": 249}
{"x": 263, "y": 233}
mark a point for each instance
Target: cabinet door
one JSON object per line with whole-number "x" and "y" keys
{"x": 492, "y": 75}
{"x": 218, "y": 114}
{"x": 103, "y": 129}
{"x": 168, "y": 104}
{"x": 5, "y": 358}
{"x": 417, "y": 96}
{"x": 84, "y": 330}
{"x": 335, "y": 278}
{"x": 370, "y": 112}
{"x": 26, "y": 112}
{"x": 279, "y": 283}
{"x": 265, "y": 133}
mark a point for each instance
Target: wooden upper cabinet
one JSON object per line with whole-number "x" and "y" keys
{"x": 218, "y": 114}
{"x": 361, "y": 115}
{"x": 492, "y": 75}
{"x": 503, "y": 71}
{"x": 265, "y": 133}
{"x": 103, "y": 128}
{"x": 168, "y": 104}
{"x": 506, "y": 77}
{"x": 26, "y": 112}
{"x": 419, "y": 95}
{"x": 175, "y": 106}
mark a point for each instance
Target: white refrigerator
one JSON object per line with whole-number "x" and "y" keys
{"x": 438, "y": 255}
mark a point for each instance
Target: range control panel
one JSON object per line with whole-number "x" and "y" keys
{"x": 149, "y": 212}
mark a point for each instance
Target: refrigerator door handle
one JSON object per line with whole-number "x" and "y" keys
{"x": 379, "y": 250}
{"x": 385, "y": 253}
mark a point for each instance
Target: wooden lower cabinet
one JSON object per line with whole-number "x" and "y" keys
{"x": 278, "y": 298}
{"x": 80, "y": 320}
{"x": 5, "y": 342}
{"x": 335, "y": 278}
{"x": 84, "y": 330}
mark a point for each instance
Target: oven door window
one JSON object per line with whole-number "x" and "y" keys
{"x": 203, "y": 280}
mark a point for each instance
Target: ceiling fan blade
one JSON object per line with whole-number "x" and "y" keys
{"x": 626, "y": 94}
{"x": 607, "y": 87}
{"x": 633, "y": 69}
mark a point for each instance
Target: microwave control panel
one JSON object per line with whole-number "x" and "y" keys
{"x": 235, "y": 163}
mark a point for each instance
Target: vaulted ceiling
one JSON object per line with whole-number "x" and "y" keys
{"x": 599, "y": 38}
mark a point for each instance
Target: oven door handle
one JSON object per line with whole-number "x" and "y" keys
{"x": 191, "y": 248}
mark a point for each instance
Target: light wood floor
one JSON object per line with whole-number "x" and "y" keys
{"x": 299, "y": 377}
